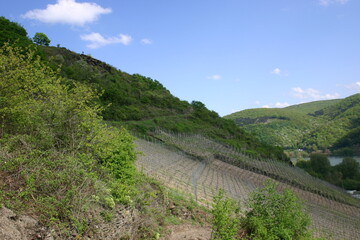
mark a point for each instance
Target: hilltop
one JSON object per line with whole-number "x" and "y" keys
{"x": 321, "y": 125}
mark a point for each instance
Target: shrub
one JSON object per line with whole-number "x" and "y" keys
{"x": 274, "y": 215}
{"x": 225, "y": 217}
{"x": 65, "y": 160}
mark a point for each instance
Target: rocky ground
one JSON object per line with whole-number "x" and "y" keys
{"x": 17, "y": 227}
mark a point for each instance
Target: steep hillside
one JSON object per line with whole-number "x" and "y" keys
{"x": 311, "y": 126}
{"x": 144, "y": 105}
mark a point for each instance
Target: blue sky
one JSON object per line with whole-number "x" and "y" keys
{"x": 229, "y": 54}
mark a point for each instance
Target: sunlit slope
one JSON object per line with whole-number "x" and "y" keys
{"x": 311, "y": 126}
{"x": 201, "y": 167}
{"x": 312, "y": 107}
{"x": 281, "y": 127}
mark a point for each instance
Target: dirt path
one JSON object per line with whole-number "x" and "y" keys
{"x": 188, "y": 232}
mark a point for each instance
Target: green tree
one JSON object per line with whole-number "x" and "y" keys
{"x": 349, "y": 168}
{"x": 13, "y": 33}
{"x": 320, "y": 164}
{"x": 304, "y": 165}
{"x": 198, "y": 105}
{"x": 41, "y": 39}
{"x": 276, "y": 216}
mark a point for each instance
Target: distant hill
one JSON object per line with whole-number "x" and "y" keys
{"x": 312, "y": 107}
{"x": 321, "y": 125}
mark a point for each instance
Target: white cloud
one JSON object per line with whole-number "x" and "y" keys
{"x": 276, "y": 71}
{"x": 328, "y": 2}
{"x": 68, "y": 12}
{"x": 97, "y": 40}
{"x": 353, "y": 86}
{"x": 281, "y": 105}
{"x": 234, "y": 111}
{"x": 215, "y": 77}
{"x": 312, "y": 94}
{"x": 276, "y": 105}
{"x": 146, "y": 41}
{"x": 279, "y": 72}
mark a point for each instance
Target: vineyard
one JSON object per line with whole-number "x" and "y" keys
{"x": 201, "y": 167}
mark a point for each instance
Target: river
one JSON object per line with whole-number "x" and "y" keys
{"x": 334, "y": 160}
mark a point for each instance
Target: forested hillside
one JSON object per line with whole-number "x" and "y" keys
{"x": 144, "y": 105}
{"x": 323, "y": 125}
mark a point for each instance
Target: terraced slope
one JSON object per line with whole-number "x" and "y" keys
{"x": 335, "y": 214}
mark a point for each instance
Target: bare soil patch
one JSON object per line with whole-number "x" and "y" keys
{"x": 188, "y": 232}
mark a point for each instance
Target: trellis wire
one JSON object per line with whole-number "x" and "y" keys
{"x": 191, "y": 163}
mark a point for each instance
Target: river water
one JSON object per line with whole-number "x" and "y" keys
{"x": 334, "y": 160}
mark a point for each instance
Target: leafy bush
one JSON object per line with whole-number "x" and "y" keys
{"x": 65, "y": 160}
{"x": 275, "y": 216}
{"x": 225, "y": 217}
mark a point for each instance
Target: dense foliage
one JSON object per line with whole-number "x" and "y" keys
{"x": 276, "y": 216}
{"x": 226, "y": 218}
{"x": 41, "y": 39}
{"x": 13, "y": 33}
{"x": 51, "y": 130}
